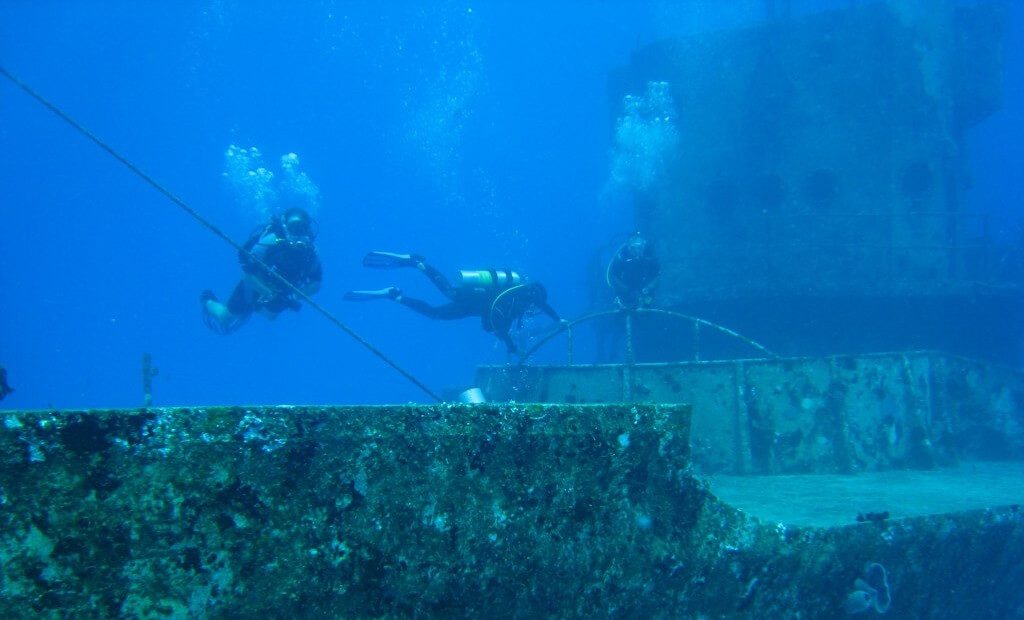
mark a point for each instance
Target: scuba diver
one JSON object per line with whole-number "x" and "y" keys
{"x": 632, "y": 273}
{"x": 4, "y": 388}
{"x": 285, "y": 245}
{"x": 500, "y": 297}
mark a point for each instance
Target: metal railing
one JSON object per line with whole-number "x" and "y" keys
{"x": 628, "y": 315}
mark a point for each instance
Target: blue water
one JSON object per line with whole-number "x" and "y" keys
{"x": 477, "y": 134}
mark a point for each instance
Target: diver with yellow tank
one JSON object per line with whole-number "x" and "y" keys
{"x": 500, "y": 297}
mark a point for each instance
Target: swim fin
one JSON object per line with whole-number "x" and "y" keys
{"x": 390, "y": 260}
{"x": 391, "y": 292}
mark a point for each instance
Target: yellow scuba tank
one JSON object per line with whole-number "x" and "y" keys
{"x": 489, "y": 278}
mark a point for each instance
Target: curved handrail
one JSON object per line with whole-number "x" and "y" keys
{"x": 697, "y": 321}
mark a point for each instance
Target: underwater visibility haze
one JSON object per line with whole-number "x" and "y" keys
{"x": 478, "y": 135}
{"x": 755, "y": 268}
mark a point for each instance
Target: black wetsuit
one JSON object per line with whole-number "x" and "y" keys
{"x": 632, "y": 272}
{"x": 296, "y": 262}
{"x": 468, "y": 301}
{"x": 4, "y": 388}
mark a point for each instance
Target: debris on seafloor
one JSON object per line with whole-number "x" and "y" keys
{"x": 871, "y": 592}
{"x": 875, "y": 517}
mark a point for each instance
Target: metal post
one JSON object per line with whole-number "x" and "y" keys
{"x": 571, "y": 344}
{"x": 627, "y": 383}
{"x": 696, "y": 341}
{"x": 741, "y": 423}
{"x": 148, "y": 372}
{"x": 627, "y": 368}
{"x": 629, "y": 338}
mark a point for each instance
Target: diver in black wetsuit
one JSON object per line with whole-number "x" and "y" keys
{"x": 4, "y": 388}
{"x": 632, "y": 273}
{"x": 285, "y": 245}
{"x": 500, "y": 297}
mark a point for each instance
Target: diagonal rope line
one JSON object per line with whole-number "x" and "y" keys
{"x": 212, "y": 228}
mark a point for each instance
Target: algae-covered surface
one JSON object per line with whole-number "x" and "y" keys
{"x": 439, "y": 511}
{"x": 843, "y": 414}
{"x": 826, "y": 500}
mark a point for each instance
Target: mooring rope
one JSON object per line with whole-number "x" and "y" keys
{"x": 212, "y": 228}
